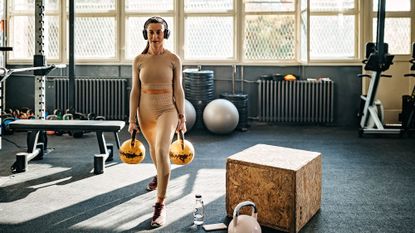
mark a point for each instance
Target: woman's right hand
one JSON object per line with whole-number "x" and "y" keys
{"x": 133, "y": 126}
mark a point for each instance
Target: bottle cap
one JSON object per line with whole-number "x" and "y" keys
{"x": 198, "y": 196}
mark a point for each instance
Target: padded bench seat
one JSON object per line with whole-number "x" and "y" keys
{"x": 90, "y": 125}
{"x": 35, "y": 148}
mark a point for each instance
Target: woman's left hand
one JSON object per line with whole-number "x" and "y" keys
{"x": 181, "y": 125}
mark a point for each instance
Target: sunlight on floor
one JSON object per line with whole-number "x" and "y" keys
{"x": 137, "y": 211}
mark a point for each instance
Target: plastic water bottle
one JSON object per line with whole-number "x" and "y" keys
{"x": 199, "y": 211}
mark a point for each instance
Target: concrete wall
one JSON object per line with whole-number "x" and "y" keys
{"x": 20, "y": 93}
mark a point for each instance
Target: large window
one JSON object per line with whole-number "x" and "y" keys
{"x": 269, "y": 33}
{"x": 95, "y": 29}
{"x": 136, "y": 13}
{"x": 22, "y": 25}
{"x": 397, "y": 26}
{"x": 333, "y": 29}
{"x": 209, "y": 30}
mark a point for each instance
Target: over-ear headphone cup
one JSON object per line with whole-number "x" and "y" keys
{"x": 145, "y": 34}
{"x": 166, "y": 33}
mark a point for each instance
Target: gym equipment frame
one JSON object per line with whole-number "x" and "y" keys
{"x": 36, "y": 137}
{"x": 40, "y": 68}
{"x": 5, "y": 73}
{"x": 407, "y": 115}
{"x": 36, "y": 149}
{"x": 378, "y": 60}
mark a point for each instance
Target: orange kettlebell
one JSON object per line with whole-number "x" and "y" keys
{"x": 182, "y": 151}
{"x": 132, "y": 151}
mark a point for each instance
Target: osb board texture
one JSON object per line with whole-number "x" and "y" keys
{"x": 308, "y": 194}
{"x": 271, "y": 189}
{"x": 274, "y": 189}
{"x": 275, "y": 156}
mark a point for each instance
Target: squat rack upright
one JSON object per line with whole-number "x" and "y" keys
{"x": 40, "y": 68}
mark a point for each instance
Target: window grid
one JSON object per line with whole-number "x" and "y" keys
{"x": 87, "y": 16}
{"x": 394, "y": 33}
{"x": 132, "y": 46}
{"x": 344, "y": 18}
{"x": 133, "y": 37}
{"x": 163, "y": 6}
{"x": 219, "y": 44}
{"x": 121, "y": 14}
{"x": 212, "y": 6}
{"x": 53, "y": 32}
{"x": 213, "y": 27}
{"x": 273, "y": 51}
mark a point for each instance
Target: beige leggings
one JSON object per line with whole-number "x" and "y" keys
{"x": 158, "y": 122}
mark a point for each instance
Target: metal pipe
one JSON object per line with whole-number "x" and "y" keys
{"x": 233, "y": 78}
{"x": 71, "y": 94}
{"x": 230, "y": 80}
{"x": 374, "y": 82}
{"x": 242, "y": 78}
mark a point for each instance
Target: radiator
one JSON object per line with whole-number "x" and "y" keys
{"x": 102, "y": 96}
{"x": 296, "y": 101}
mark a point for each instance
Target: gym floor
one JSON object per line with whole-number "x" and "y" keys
{"x": 368, "y": 183}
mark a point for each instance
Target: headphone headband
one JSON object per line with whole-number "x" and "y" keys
{"x": 156, "y": 19}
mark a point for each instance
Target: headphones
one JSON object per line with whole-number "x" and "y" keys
{"x": 156, "y": 19}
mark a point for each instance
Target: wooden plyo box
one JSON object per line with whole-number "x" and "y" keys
{"x": 284, "y": 183}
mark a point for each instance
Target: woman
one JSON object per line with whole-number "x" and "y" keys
{"x": 157, "y": 98}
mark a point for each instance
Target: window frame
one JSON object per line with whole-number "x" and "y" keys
{"x": 363, "y": 24}
{"x": 296, "y": 14}
{"x": 125, "y": 14}
{"x": 229, "y": 13}
{"x": 8, "y": 38}
{"x": 394, "y": 14}
{"x": 356, "y": 12}
{"x": 91, "y": 60}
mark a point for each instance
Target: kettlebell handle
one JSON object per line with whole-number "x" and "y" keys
{"x": 238, "y": 208}
{"x": 180, "y": 136}
{"x": 133, "y": 137}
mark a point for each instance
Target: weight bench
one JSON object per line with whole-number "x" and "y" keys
{"x": 36, "y": 149}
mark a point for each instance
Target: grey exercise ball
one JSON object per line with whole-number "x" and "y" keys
{"x": 190, "y": 114}
{"x": 220, "y": 116}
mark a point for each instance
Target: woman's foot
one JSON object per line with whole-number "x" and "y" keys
{"x": 159, "y": 215}
{"x": 152, "y": 185}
